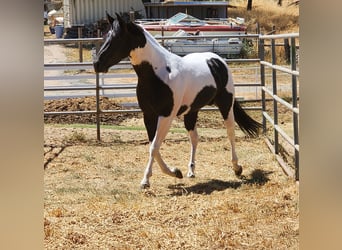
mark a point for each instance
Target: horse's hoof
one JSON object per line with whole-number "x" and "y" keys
{"x": 191, "y": 175}
{"x": 145, "y": 185}
{"x": 178, "y": 173}
{"x": 238, "y": 171}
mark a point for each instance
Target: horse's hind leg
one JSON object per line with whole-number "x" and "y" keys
{"x": 230, "y": 125}
{"x": 225, "y": 103}
{"x": 193, "y": 135}
{"x": 190, "y": 120}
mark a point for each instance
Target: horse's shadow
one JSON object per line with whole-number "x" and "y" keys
{"x": 257, "y": 177}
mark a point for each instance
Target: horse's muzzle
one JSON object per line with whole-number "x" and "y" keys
{"x": 98, "y": 68}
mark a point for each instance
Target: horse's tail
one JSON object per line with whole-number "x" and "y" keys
{"x": 247, "y": 124}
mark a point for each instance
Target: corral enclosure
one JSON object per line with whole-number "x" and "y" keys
{"x": 93, "y": 199}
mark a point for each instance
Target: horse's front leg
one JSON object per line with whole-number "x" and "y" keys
{"x": 163, "y": 127}
{"x": 151, "y": 122}
{"x": 145, "y": 183}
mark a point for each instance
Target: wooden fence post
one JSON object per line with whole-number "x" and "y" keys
{"x": 80, "y": 47}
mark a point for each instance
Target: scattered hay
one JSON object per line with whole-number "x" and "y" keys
{"x": 93, "y": 200}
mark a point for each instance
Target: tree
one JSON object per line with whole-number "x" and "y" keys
{"x": 249, "y": 5}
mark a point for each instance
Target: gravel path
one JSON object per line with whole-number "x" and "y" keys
{"x": 54, "y": 53}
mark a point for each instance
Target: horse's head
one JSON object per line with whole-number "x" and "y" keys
{"x": 121, "y": 39}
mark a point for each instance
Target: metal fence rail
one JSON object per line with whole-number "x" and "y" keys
{"x": 293, "y": 140}
{"x": 99, "y": 85}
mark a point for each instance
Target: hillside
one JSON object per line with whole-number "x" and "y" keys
{"x": 267, "y": 14}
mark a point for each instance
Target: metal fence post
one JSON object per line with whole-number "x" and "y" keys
{"x": 98, "y": 110}
{"x": 262, "y": 79}
{"x": 275, "y": 103}
{"x": 97, "y": 95}
{"x": 294, "y": 104}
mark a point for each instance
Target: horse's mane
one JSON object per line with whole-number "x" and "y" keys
{"x": 147, "y": 35}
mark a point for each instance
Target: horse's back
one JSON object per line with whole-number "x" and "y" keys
{"x": 200, "y": 66}
{"x": 202, "y": 55}
{"x": 199, "y": 58}
{"x": 199, "y": 61}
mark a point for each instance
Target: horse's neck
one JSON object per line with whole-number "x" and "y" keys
{"x": 152, "y": 52}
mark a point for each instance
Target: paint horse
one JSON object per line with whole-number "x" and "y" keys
{"x": 170, "y": 86}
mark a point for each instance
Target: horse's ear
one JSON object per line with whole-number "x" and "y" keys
{"x": 110, "y": 19}
{"x": 122, "y": 23}
{"x": 119, "y": 18}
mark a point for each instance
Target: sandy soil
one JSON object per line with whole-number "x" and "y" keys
{"x": 54, "y": 53}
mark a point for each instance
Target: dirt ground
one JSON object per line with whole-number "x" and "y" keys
{"x": 93, "y": 198}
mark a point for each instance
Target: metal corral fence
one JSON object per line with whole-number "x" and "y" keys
{"x": 97, "y": 84}
{"x": 281, "y": 139}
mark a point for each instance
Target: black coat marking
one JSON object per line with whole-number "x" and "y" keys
{"x": 190, "y": 120}
{"x": 137, "y": 37}
{"x": 204, "y": 97}
{"x": 150, "y": 121}
{"x": 223, "y": 99}
{"x": 154, "y": 96}
{"x": 219, "y": 72}
{"x": 182, "y": 109}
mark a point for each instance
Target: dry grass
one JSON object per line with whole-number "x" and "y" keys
{"x": 73, "y": 53}
{"x": 93, "y": 200}
{"x": 269, "y": 17}
{"x": 268, "y": 14}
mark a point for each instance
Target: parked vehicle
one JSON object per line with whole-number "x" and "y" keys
{"x": 227, "y": 47}
{"x": 189, "y": 23}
